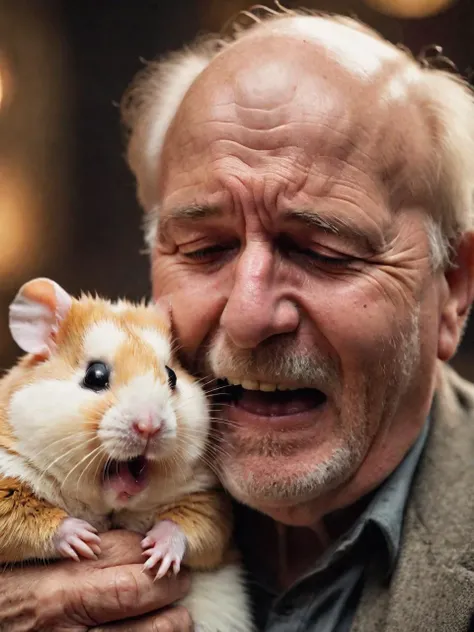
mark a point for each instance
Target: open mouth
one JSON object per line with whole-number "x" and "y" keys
{"x": 271, "y": 400}
{"x": 127, "y": 477}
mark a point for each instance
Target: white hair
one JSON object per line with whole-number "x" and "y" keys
{"x": 153, "y": 98}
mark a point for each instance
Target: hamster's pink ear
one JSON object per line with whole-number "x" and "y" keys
{"x": 36, "y": 313}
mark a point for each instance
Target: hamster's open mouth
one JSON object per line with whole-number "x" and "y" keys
{"x": 126, "y": 478}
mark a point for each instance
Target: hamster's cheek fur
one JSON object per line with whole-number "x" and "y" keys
{"x": 141, "y": 398}
{"x": 191, "y": 408}
{"x": 47, "y": 423}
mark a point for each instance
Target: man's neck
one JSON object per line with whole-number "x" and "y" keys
{"x": 283, "y": 554}
{"x": 299, "y": 548}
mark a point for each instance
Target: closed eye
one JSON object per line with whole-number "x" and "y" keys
{"x": 330, "y": 260}
{"x": 211, "y": 254}
{"x": 292, "y": 250}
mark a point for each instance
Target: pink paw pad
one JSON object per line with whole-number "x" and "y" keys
{"x": 75, "y": 538}
{"x": 164, "y": 542}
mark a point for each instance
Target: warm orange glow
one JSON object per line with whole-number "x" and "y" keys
{"x": 4, "y": 82}
{"x": 410, "y": 8}
{"x": 20, "y": 237}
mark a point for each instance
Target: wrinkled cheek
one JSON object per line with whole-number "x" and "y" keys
{"x": 366, "y": 323}
{"x": 363, "y": 344}
{"x": 371, "y": 334}
{"x": 196, "y": 305}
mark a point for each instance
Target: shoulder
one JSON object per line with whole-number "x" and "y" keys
{"x": 452, "y": 422}
{"x": 454, "y": 396}
{"x": 442, "y": 495}
{"x": 433, "y": 586}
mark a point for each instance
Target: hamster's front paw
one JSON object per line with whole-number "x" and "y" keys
{"x": 166, "y": 542}
{"x": 76, "y": 537}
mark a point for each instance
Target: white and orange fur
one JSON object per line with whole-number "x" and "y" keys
{"x": 56, "y": 438}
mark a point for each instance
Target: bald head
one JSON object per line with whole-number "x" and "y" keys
{"x": 333, "y": 73}
{"x": 358, "y": 50}
{"x": 296, "y": 53}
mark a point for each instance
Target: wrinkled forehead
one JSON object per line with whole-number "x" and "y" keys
{"x": 349, "y": 87}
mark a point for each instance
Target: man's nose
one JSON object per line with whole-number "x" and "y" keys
{"x": 257, "y": 307}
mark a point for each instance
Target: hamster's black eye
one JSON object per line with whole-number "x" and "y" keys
{"x": 171, "y": 378}
{"x": 97, "y": 376}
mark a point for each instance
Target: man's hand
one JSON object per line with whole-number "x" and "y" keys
{"x": 71, "y": 596}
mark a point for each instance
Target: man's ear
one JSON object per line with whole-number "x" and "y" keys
{"x": 36, "y": 313}
{"x": 459, "y": 295}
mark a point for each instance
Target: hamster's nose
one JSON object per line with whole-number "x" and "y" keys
{"x": 146, "y": 428}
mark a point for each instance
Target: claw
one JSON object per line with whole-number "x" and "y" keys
{"x": 75, "y": 538}
{"x": 165, "y": 542}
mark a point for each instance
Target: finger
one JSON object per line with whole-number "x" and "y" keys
{"x": 82, "y": 548}
{"x": 88, "y": 536}
{"x": 117, "y": 593}
{"x": 87, "y": 526}
{"x": 66, "y": 550}
{"x": 175, "y": 619}
{"x": 120, "y": 547}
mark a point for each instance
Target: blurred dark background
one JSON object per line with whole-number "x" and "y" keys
{"x": 67, "y": 200}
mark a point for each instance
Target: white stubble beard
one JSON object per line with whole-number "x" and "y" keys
{"x": 345, "y": 457}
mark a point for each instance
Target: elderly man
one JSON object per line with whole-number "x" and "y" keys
{"x": 309, "y": 190}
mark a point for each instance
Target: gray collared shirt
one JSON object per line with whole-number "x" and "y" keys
{"x": 326, "y": 598}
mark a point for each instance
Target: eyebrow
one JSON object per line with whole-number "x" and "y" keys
{"x": 335, "y": 225}
{"x": 192, "y": 213}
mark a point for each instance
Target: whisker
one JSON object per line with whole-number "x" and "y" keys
{"x": 216, "y": 449}
{"x": 98, "y": 454}
{"x": 200, "y": 380}
{"x": 179, "y": 464}
{"x": 210, "y": 407}
{"x": 218, "y": 383}
{"x": 80, "y": 443}
{"x": 88, "y": 456}
{"x": 109, "y": 459}
{"x": 222, "y": 405}
{"x": 75, "y": 439}
{"x": 175, "y": 347}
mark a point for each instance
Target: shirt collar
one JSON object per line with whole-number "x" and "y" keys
{"x": 387, "y": 506}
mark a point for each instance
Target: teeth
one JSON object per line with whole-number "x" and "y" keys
{"x": 252, "y": 385}
{"x": 268, "y": 387}
{"x": 233, "y": 381}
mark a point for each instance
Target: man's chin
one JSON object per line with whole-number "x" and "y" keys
{"x": 278, "y": 486}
